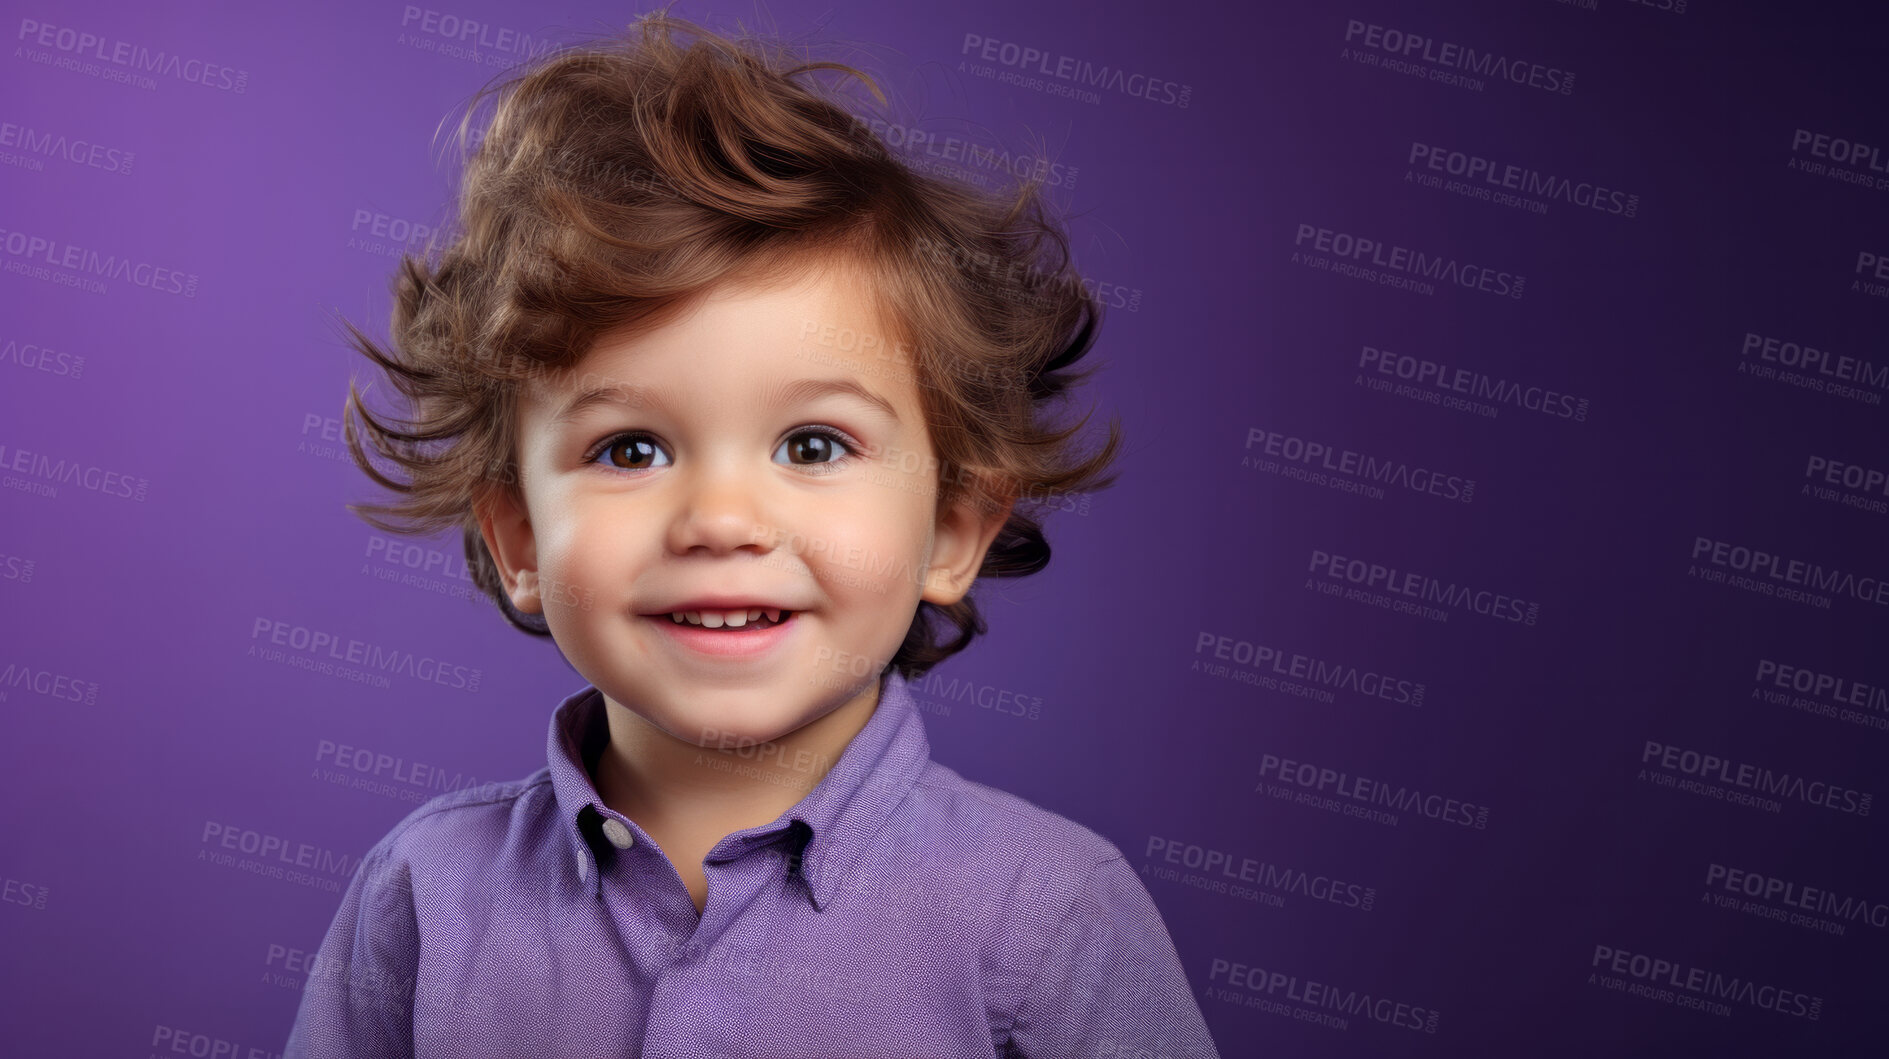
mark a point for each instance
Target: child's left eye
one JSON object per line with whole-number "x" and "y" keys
{"x": 818, "y": 444}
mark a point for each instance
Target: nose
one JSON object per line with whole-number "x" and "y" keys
{"x": 719, "y": 510}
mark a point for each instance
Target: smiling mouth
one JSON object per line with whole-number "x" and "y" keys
{"x": 730, "y": 621}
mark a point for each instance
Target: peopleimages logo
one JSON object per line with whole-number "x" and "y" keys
{"x": 1842, "y": 691}
{"x": 1489, "y": 179}
{"x": 1402, "y": 266}
{"x": 1822, "y": 695}
{"x": 1873, "y": 264}
{"x": 1839, "y": 150}
{"x": 1832, "y": 371}
{"x": 1748, "y": 784}
{"x": 131, "y": 59}
{"x": 77, "y": 151}
{"x": 36, "y": 472}
{"x": 1445, "y": 378}
{"x": 1304, "y": 667}
{"x": 1752, "y": 563}
{"x": 356, "y": 659}
{"x": 1838, "y": 158}
{"x": 273, "y": 847}
{"x": 472, "y": 33}
{"x": 1320, "y": 463}
{"x": 1319, "y": 998}
{"x": 949, "y": 148}
{"x": 35, "y": 357}
{"x": 33, "y": 254}
{"x": 1068, "y": 68}
{"x": 1225, "y": 872}
{"x": 1700, "y": 988}
{"x": 1413, "y": 585}
{"x": 1449, "y": 56}
{"x": 1329, "y": 785}
{"x": 1798, "y": 898}
{"x": 1849, "y": 484}
{"x": 48, "y": 683}
{"x": 353, "y": 762}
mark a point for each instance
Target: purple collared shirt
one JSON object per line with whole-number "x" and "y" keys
{"x": 899, "y": 910}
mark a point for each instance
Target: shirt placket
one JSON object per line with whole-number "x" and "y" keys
{"x": 683, "y": 1001}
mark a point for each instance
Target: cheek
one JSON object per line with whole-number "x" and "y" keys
{"x": 571, "y": 547}
{"x": 577, "y": 570}
{"x": 871, "y": 553}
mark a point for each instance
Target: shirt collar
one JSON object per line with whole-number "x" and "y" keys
{"x": 829, "y": 828}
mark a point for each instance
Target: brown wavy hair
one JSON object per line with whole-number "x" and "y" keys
{"x": 618, "y": 179}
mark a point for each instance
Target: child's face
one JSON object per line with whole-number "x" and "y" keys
{"x": 720, "y": 474}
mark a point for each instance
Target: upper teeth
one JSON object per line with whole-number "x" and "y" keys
{"x": 715, "y": 619}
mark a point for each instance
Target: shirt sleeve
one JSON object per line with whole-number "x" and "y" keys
{"x": 358, "y": 999}
{"x": 1111, "y": 983}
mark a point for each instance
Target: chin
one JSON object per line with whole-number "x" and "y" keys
{"x": 716, "y": 729}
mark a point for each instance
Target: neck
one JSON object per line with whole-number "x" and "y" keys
{"x": 667, "y": 784}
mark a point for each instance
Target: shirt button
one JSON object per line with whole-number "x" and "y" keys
{"x": 618, "y": 834}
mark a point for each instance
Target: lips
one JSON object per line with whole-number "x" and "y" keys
{"x": 736, "y": 618}
{"x": 708, "y": 640}
{"x": 721, "y": 601}
{"x": 726, "y": 611}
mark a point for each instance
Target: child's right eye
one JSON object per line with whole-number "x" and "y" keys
{"x": 627, "y": 452}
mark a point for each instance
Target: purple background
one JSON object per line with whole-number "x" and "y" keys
{"x": 211, "y": 402}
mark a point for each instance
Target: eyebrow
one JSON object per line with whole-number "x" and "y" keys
{"x": 796, "y": 392}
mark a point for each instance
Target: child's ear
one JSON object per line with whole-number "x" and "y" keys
{"x": 963, "y": 535}
{"x": 508, "y": 537}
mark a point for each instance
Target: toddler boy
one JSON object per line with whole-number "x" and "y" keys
{"x": 735, "y": 407}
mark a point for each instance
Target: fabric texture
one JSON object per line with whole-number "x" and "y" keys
{"x": 898, "y": 910}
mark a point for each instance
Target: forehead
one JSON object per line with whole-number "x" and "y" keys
{"x": 827, "y": 321}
